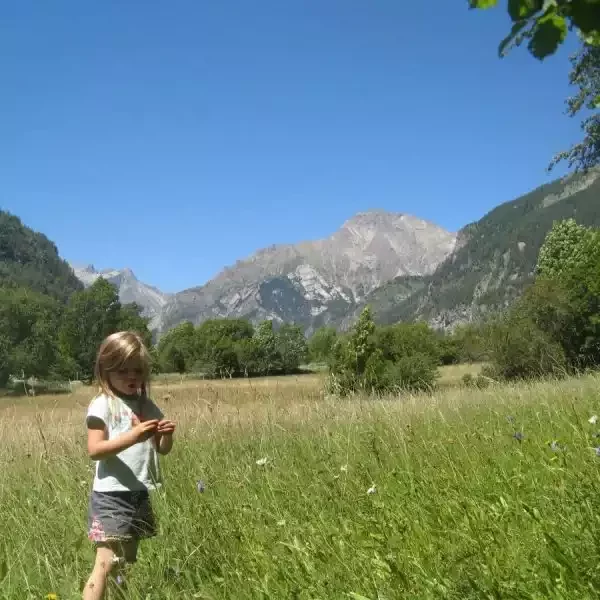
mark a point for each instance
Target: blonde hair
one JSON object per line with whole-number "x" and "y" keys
{"x": 117, "y": 350}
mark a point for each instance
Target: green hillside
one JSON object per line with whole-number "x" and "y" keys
{"x": 494, "y": 259}
{"x": 29, "y": 259}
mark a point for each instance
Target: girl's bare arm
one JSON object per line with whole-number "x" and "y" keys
{"x": 99, "y": 447}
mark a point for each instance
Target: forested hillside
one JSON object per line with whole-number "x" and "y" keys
{"x": 29, "y": 259}
{"x": 494, "y": 259}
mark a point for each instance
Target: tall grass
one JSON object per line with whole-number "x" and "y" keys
{"x": 462, "y": 507}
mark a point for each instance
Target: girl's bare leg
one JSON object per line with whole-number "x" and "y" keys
{"x": 110, "y": 560}
{"x": 95, "y": 588}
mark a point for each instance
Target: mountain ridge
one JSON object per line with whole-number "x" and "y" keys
{"x": 405, "y": 267}
{"x": 339, "y": 270}
{"x": 494, "y": 258}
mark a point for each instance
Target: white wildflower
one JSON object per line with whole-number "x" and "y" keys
{"x": 372, "y": 489}
{"x": 344, "y": 468}
{"x": 261, "y": 462}
{"x": 593, "y": 419}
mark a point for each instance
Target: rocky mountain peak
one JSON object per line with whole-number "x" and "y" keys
{"x": 302, "y": 282}
{"x": 307, "y": 283}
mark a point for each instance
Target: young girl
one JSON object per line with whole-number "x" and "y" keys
{"x": 126, "y": 431}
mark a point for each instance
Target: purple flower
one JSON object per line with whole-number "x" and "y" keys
{"x": 200, "y": 486}
{"x": 120, "y": 580}
{"x": 518, "y": 436}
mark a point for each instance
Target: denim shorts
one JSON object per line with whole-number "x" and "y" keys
{"x": 120, "y": 517}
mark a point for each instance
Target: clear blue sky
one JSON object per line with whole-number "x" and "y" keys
{"x": 176, "y": 137}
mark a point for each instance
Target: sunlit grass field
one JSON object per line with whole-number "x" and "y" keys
{"x": 470, "y": 498}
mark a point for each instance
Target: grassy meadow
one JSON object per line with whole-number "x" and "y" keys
{"x": 470, "y": 498}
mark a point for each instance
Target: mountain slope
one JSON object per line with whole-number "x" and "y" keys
{"x": 494, "y": 258}
{"x": 130, "y": 289}
{"x": 313, "y": 283}
{"x": 29, "y": 259}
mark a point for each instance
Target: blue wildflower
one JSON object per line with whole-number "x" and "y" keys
{"x": 518, "y": 436}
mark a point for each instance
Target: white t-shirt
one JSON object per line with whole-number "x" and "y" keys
{"x": 136, "y": 468}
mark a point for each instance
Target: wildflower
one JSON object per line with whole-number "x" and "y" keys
{"x": 51, "y": 596}
{"x": 593, "y": 419}
{"x": 518, "y": 436}
{"x": 344, "y": 468}
{"x": 120, "y": 580}
{"x": 555, "y": 446}
{"x": 281, "y": 522}
{"x": 372, "y": 489}
{"x": 597, "y": 451}
{"x": 261, "y": 462}
{"x": 200, "y": 486}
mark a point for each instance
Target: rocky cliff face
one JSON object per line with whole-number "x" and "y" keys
{"x": 313, "y": 283}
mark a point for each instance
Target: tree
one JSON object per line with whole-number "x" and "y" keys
{"x": 554, "y": 327}
{"x": 585, "y": 75}
{"x": 544, "y": 23}
{"x": 291, "y": 347}
{"x": 248, "y": 353}
{"x": 28, "y": 331}
{"x": 177, "y": 349}
{"x": 131, "y": 319}
{"x": 216, "y": 339}
{"x": 565, "y": 247}
{"x": 361, "y": 343}
{"x": 90, "y": 316}
{"x": 268, "y": 359}
{"x": 321, "y": 343}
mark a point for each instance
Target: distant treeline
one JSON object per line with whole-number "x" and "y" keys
{"x": 53, "y": 333}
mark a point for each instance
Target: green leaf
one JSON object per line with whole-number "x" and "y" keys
{"x": 523, "y": 9}
{"x": 592, "y": 39}
{"x": 482, "y": 3}
{"x": 549, "y": 33}
{"x": 514, "y": 32}
{"x": 585, "y": 15}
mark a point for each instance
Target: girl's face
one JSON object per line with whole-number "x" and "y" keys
{"x": 128, "y": 379}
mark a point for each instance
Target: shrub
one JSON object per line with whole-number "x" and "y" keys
{"x": 411, "y": 373}
{"x": 520, "y": 350}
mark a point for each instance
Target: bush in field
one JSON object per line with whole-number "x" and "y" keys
{"x": 371, "y": 360}
{"x": 415, "y": 372}
{"x": 522, "y": 351}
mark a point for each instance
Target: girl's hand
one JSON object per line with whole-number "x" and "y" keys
{"x": 166, "y": 427}
{"x": 144, "y": 430}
